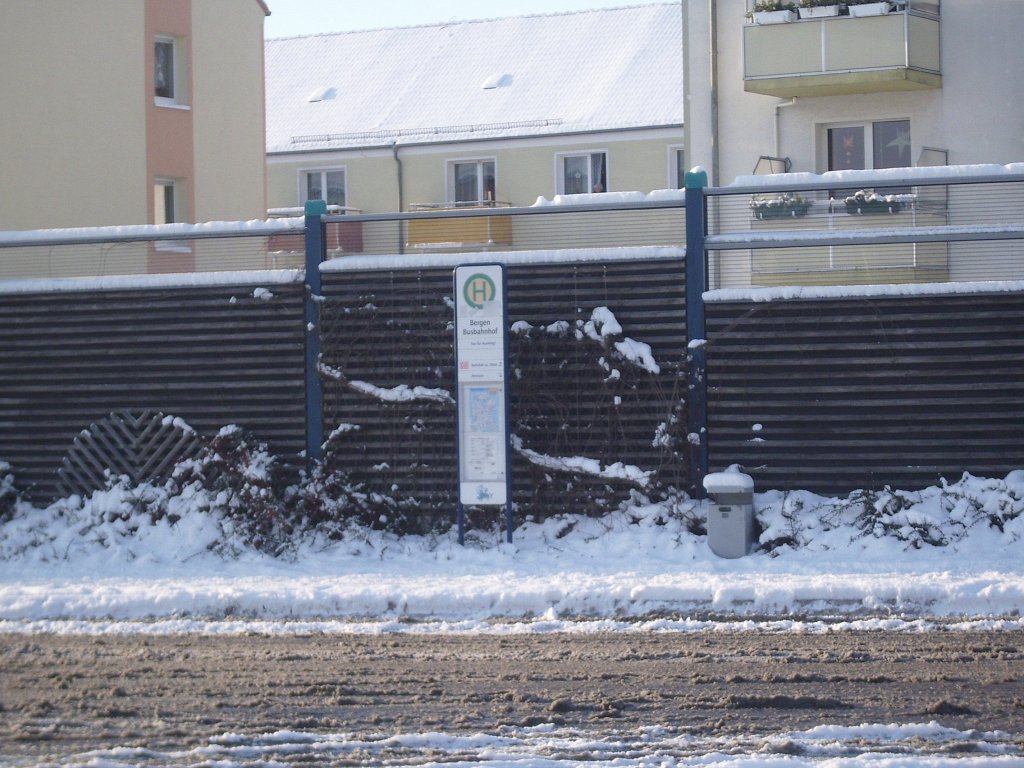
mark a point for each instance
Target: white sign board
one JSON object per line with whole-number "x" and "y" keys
{"x": 481, "y": 354}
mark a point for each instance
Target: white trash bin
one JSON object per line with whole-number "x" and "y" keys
{"x": 731, "y": 516}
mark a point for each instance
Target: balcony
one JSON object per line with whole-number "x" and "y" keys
{"x": 854, "y": 264}
{"x": 897, "y": 51}
{"x": 460, "y": 232}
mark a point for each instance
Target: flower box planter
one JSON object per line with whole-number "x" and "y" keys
{"x": 869, "y": 9}
{"x": 785, "y": 207}
{"x": 819, "y": 11}
{"x": 862, "y": 203}
{"x": 867, "y": 208}
{"x": 774, "y": 17}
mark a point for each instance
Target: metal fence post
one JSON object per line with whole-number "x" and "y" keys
{"x": 315, "y": 253}
{"x": 696, "y": 282}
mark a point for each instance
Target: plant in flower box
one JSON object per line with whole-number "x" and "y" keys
{"x": 867, "y": 7}
{"x": 862, "y": 202}
{"x": 782, "y": 207}
{"x": 774, "y": 11}
{"x": 816, "y": 9}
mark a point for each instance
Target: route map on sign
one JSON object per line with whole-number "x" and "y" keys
{"x": 485, "y": 409}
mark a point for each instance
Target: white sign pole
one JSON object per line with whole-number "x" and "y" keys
{"x": 481, "y": 356}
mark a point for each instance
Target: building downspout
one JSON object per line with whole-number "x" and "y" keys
{"x": 401, "y": 194}
{"x": 777, "y": 120}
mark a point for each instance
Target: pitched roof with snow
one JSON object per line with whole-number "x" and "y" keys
{"x": 523, "y": 76}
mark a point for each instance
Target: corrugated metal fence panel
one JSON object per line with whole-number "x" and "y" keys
{"x": 211, "y": 356}
{"x": 394, "y": 327}
{"x": 835, "y": 395}
{"x": 388, "y": 329}
{"x": 568, "y": 404}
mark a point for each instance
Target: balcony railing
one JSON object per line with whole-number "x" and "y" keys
{"x": 484, "y": 232}
{"x": 895, "y": 51}
{"x": 900, "y": 226}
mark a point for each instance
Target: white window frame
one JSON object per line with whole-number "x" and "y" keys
{"x": 869, "y": 139}
{"x": 676, "y": 175}
{"x": 179, "y": 212}
{"x": 560, "y": 159}
{"x": 160, "y": 187}
{"x": 179, "y": 74}
{"x": 481, "y": 199}
{"x": 303, "y": 187}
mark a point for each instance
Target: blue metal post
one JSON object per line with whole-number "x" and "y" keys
{"x": 696, "y": 283}
{"x": 316, "y": 251}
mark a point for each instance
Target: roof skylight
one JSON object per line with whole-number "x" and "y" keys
{"x": 322, "y": 94}
{"x": 497, "y": 80}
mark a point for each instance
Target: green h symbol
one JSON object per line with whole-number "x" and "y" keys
{"x": 479, "y": 288}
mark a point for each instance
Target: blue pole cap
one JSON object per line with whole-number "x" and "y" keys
{"x": 318, "y": 207}
{"x": 695, "y": 179}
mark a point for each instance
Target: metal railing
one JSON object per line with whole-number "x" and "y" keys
{"x": 596, "y": 221}
{"x": 866, "y": 229}
{"x": 140, "y": 250}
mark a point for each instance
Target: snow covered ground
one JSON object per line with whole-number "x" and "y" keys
{"x": 924, "y": 745}
{"x": 947, "y": 557}
{"x": 949, "y": 554}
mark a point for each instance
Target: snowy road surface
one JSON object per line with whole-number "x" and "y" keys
{"x": 784, "y": 699}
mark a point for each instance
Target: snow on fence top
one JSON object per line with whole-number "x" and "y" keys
{"x": 602, "y": 198}
{"x": 150, "y": 232}
{"x": 874, "y": 177}
{"x": 791, "y": 292}
{"x": 542, "y": 256}
{"x": 144, "y": 282}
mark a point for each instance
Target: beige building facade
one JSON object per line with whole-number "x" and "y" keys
{"x": 121, "y": 112}
{"x": 401, "y": 177}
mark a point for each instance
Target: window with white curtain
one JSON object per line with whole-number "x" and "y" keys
{"x": 471, "y": 182}
{"x": 327, "y": 184}
{"x": 582, "y": 173}
{"x": 169, "y": 76}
